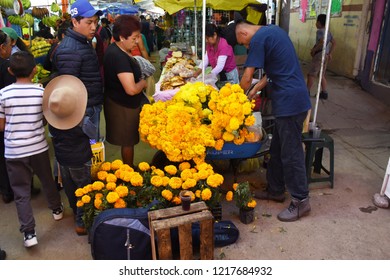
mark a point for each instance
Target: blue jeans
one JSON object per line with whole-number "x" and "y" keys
{"x": 232, "y": 76}
{"x": 72, "y": 179}
{"x": 91, "y": 124}
{"x": 286, "y": 168}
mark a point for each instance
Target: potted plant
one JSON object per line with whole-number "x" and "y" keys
{"x": 243, "y": 198}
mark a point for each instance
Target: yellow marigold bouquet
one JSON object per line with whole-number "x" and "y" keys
{"x": 196, "y": 118}
{"x": 120, "y": 186}
{"x": 242, "y": 195}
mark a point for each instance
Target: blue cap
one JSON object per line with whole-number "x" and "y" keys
{"x": 84, "y": 9}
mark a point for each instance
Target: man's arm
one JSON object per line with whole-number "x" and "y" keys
{"x": 332, "y": 46}
{"x": 2, "y": 124}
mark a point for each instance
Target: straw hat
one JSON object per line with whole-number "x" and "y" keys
{"x": 64, "y": 102}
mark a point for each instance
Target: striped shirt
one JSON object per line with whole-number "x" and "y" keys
{"x": 24, "y": 134}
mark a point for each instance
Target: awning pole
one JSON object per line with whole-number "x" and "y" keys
{"x": 322, "y": 61}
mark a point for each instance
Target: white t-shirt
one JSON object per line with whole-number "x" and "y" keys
{"x": 24, "y": 134}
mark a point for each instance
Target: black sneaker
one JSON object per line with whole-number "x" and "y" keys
{"x": 30, "y": 239}
{"x": 323, "y": 95}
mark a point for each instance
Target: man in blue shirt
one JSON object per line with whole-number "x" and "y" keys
{"x": 271, "y": 49}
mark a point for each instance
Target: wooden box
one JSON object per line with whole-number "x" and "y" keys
{"x": 160, "y": 224}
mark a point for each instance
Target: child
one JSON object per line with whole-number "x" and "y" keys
{"x": 64, "y": 106}
{"x": 316, "y": 53}
{"x": 26, "y": 148}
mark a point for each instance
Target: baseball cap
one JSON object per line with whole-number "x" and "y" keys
{"x": 84, "y": 9}
{"x": 10, "y": 32}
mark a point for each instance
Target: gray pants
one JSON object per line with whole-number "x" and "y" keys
{"x": 20, "y": 172}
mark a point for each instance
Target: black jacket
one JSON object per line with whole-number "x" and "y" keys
{"x": 76, "y": 56}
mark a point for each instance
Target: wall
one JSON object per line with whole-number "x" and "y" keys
{"x": 345, "y": 29}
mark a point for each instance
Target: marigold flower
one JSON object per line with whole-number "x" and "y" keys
{"x": 184, "y": 165}
{"x": 167, "y": 194}
{"x": 170, "y": 169}
{"x": 112, "y": 197}
{"x": 175, "y": 182}
{"x": 111, "y": 178}
{"x": 165, "y": 181}
{"x": 120, "y": 203}
{"x": 97, "y": 203}
{"x": 235, "y": 185}
{"x": 86, "y": 199}
{"x": 105, "y": 166}
{"x": 97, "y": 186}
{"x": 79, "y": 203}
{"x": 99, "y": 195}
{"x": 176, "y": 200}
{"x": 111, "y": 186}
{"x": 79, "y": 192}
{"x": 159, "y": 172}
{"x": 116, "y": 164}
{"x": 102, "y": 175}
{"x": 185, "y": 174}
{"x": 143, "y": 166}
{"x": 215, "y": 180}
{"x": 189, "y": 183}
{"x": 252, "y": 203}
{"x": 122, "y": 191}
{"x": 229, "y": 196}
{"x": 156, "y": 181}
{"x": 206, "y": 194}
{"x": 137, "y": 180}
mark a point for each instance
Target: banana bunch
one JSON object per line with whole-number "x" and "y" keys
{"x": 39, "y": 47}
{"x": 26, "y": 4}
{"x": 41, "y": 73}
{"x": 18, "y": 20}
{"x": 54, "y": 7}
{"x": 51, "y": 21}
{"x": 8, "y": 4}
{"x": 39, "y": 12}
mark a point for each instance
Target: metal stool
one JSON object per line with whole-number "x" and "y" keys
{"x": 314, "y": 151}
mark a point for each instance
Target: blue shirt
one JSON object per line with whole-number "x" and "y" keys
{"x": 272, "y": 50}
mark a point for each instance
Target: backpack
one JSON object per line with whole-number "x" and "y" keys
{"x": 225, "y": 233}
{"x": 121, "y": 234}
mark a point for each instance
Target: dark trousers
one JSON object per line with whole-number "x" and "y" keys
{"x": 286, "y": 168}
{"x": 20, "y": 172}
{"x": 72, "y": 179}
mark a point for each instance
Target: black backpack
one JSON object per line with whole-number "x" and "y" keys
{"x": 121, "y": 234}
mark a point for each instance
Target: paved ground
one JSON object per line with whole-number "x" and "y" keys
{"x": 342, "y": 224}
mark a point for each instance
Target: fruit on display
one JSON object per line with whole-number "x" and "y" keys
{"x": 26, "y": 4}
{"x": 51, "y": 21}
{"x": 39, "y": 12}
{"x": 41, "y": 73}
{"x": 21, "y": 20}
{"x": 39, "y": 47}
{"x": 54, "y": 7}
{"x": 8, "y": 4}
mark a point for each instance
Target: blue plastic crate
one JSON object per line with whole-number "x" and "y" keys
{"x": 231, "y": 150}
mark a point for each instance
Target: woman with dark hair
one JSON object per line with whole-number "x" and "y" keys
{"x": 123, "y": 87}
{"x": 220, "y": 55}
{"x": 16, "y": 41}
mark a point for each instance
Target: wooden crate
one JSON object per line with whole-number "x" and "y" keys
{"x": 161, "y": 221}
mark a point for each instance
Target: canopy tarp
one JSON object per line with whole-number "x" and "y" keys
{"x": 173, "y": 6}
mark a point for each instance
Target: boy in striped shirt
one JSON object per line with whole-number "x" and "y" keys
{"x": 26, "y": 148}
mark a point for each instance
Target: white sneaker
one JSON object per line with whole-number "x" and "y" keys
{"x": 30, "y": 239}
{"x": 58, "y": 213}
